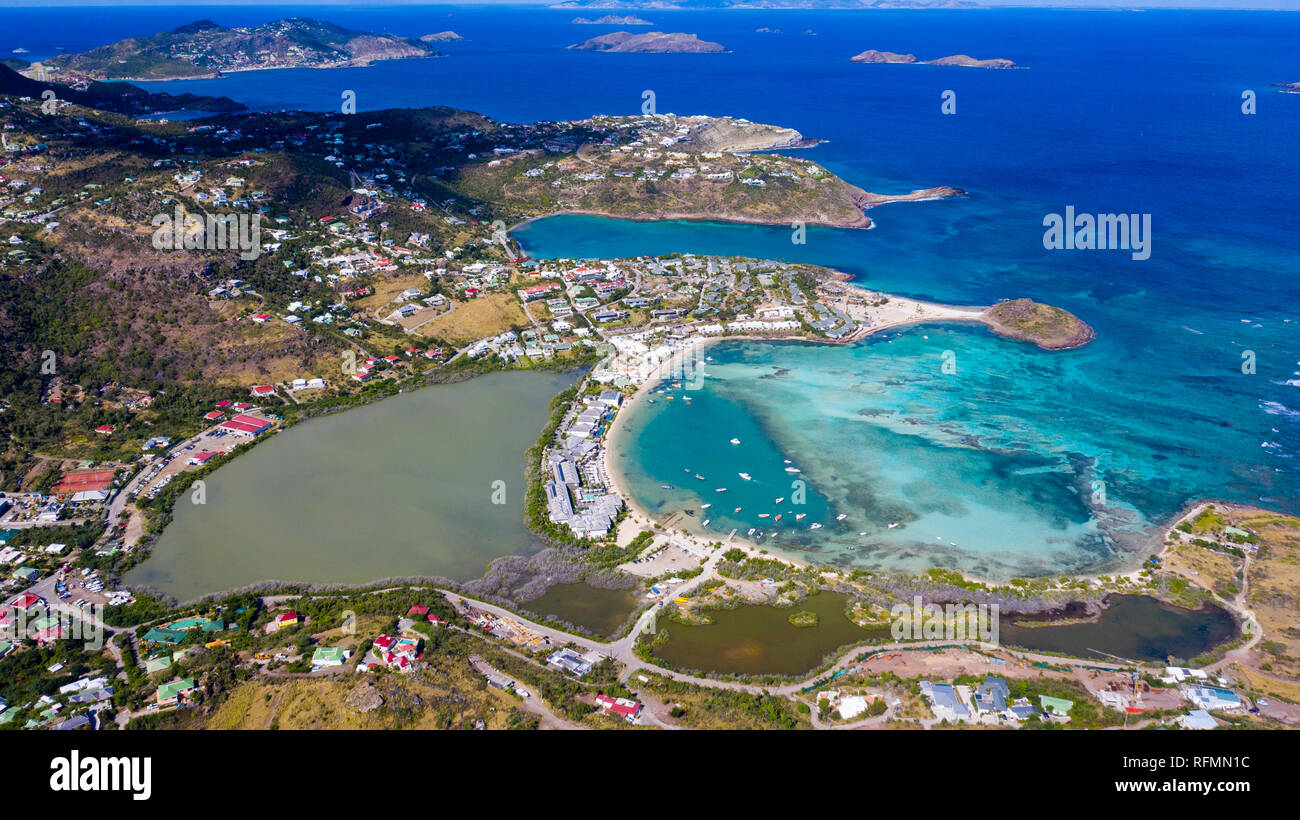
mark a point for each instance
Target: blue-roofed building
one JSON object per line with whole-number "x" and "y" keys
{"x": 943, "y": 701}
{"x": 991, "y": 695}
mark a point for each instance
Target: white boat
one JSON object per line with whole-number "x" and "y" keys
{"x": 700, "y": 477}
{"x": 779, "y": 500}
{"x": 791, "y": 470}
{"x": 706, "y": 522}
{"x": 841, "y": 516}
{"x": 764, "y": 515}
{"x": 746, "y": 476}
{"x": 815, "y": 527}
{"x": 862, "y": 533}
{"x": 721, "y": 490}
{"x": 738, "y": 509}
{"x": 787, "y": 461}
{"x": 735, "y": 441}
{"x": 705, "y": 506}
{"x": 895, "y": 524}
{"x": 751, "y": 531}
{"x": 800, "y": 516}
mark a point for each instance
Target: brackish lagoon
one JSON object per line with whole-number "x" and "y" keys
{"x": 602, "y": 611}
{"x": 1133, "y": 627}
{"x": 400, "y": 487}
{"x": 760, "y": 640}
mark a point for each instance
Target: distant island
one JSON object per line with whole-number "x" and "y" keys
{"x": 1051, "y": 328}
{"x": 871, "y": 55}
{"x": 612, "y": 20}
{"x": 764, "y": 5}
{"x": 205, "y": 49}
{"x": 652, "y": 42}
{"x": 441, "y": 37}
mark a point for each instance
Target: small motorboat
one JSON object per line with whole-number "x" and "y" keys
{"x": 815, "y": 527}
{"x": 779, "y": 500}
{"x": 667, "y": 487}
{"x": 747, "y": 476}
{"x": 800, "y": 516}
{"x": 841, "y": 516}
{"x": 735, "y": 441}
{"x": 893, "y": 525}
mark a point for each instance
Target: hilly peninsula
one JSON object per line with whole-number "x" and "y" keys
{"x": 651, "y": 42}
{"x": 205, "y": 49}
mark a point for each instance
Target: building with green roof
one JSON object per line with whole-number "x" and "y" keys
{"x": 326, "y": 656}
{"x": 163, "y": 635}
{"x": 172, "y": 691}
{"x": 1060, "y": 706}
{"x": 157, "y": 664}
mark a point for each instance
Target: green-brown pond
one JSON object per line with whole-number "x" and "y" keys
{"x": 602, "y": 611}
{"x": 759, "y": 640}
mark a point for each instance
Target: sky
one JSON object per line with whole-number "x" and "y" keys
{"x": 1290, "y": 5}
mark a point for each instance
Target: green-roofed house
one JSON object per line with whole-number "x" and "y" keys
{"x": 1059, "y": 706}
{"x": 5, "y": 648}
{"x": 196, "y": 622}
{"x": 326, "y": 656}
{"x": 27, "y": 573}
{"x": 157, "y": 664}
{"x": 173, "y": 692}
{"x": 162, "y": 635}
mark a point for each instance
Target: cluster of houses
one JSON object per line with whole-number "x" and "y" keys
{"x": 990, "y": 703}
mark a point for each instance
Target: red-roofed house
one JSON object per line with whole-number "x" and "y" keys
{"x": 104, "y": 429}
{"x": 224, "y": 403}
{"x": 285, "y": 619}
{"x": 418, "y": 609}
{"x": 215, "y": 415}
{"x": 26, "y": 601}
{"x": 260, "y": 390}
{"x": 624, "y": 708}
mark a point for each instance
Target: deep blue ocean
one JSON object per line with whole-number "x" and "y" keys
{"x": 993, "y": 469}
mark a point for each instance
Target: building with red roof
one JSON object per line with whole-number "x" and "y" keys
{"x": 623, "y": 707}
{"x": 246, "y": 425}
{"x": 26, "y": 601}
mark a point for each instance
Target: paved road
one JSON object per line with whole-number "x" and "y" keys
{"x": 622, "y": 649}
